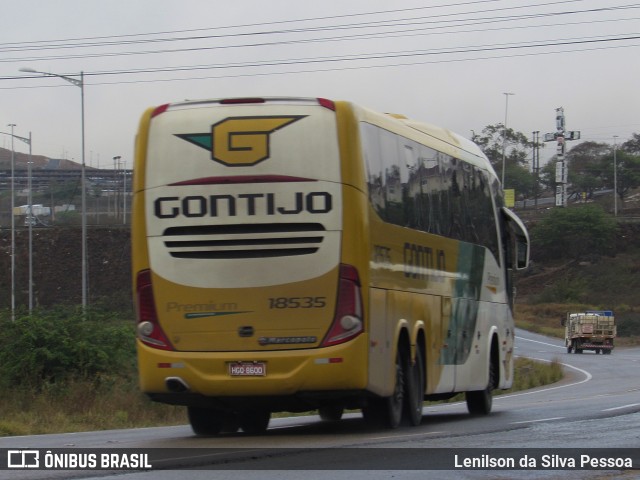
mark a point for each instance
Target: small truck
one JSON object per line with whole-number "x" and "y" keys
{"x": 591, "y": 330}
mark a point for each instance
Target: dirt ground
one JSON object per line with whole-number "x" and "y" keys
{"x": 57, "y": 271}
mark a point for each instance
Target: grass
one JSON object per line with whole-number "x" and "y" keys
{"x": 82, "y": 406}
{"x": 532, "y": 374}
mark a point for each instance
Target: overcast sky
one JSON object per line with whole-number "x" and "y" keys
{"x": 446, "y": 62}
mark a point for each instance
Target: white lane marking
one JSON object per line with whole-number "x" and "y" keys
{"x": 587, "y": 375}
{"x": 543, "y": 343}
{"x": 539, "y": 420}
{"x": 405, "y": 435}
{"x": 620, "y": 408}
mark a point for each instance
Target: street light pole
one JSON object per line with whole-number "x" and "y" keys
{"x": 124, "y": 192}
{"x": 80, "y": 84}
{"x": 13, "y": 283}
{"x": 13, "y": 228}
{"x": 504, "y": 134}
{"x": 615, "y": 178}
{"x": 116, "y": 187}
{"x": 30, "y": 200}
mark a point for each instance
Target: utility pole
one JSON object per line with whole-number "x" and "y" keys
{"x": 615, "y": 177}
{"x": 536, "y": 167}
{"x": 504, "y": 134}
{"x": 13, "y": 228}
{"x": 560, "y": 136}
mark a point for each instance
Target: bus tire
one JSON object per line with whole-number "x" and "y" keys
{"x": 254, "y": 422}
{"x": 331, "y": 413}
{"x": 479, "y": 402}
{"x": 387, "y": 411}
{"x": 205, "y": 421}
{"x": 414, "y": 389}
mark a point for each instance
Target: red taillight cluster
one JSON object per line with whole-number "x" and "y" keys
{"x": 347, "y": 322}
{"x": 330, "y": 104}
{"x": 149, "y": 331}
{"x": 160, "y": 110}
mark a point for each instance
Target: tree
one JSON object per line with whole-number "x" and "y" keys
{"x": 628, "y": 172}
{"x": 548, "y": 174}
{"x": 585, "y": 167}
{"x": 590, "y": 166}
{"x": 516, "y": 148}
{"x": 520, "y": 179}
{"x": 575, "y": 232}
{"x": 632, "y": 146}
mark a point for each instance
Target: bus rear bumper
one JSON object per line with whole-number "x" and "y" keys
{"x": 200, "y": 378}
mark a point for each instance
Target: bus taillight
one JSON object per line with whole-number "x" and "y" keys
{"x": 330, "y": 104}
{"x": 149, "y": 331}
{"x": 159, "y": 110}
{"x": 347, "y": 323}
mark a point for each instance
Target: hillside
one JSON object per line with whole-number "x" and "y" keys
{"x": 21, "y": 160}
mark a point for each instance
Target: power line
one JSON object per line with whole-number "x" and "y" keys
{"x": 432, "y": 19}
{"x": 262, "y": 24}
{"x": 360, "y": 36}
{"x": 388, "y": 56}
{"x": 375, "y": 56}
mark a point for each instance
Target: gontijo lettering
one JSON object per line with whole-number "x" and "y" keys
{"x": 422, "y": 262}
{"x": 196, "y": 206}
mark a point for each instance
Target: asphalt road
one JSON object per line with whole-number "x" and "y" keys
{"x": 596, "y": 405}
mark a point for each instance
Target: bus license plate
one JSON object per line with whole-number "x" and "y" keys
{"x": 248, "y": 369}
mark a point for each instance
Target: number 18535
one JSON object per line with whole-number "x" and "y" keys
{"x": 297, "y": 302}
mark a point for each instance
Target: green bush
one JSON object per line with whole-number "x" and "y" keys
{"x": 574, "y": 233}
{"x": 63, "y": 344}
{"x": 628, "y": 323}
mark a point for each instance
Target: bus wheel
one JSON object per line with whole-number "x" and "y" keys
{"x": 254, "y": 422}
{"x": 205, "y": 421}
{"x": 331, "y": 413}
{"x": 387, "y": 411}
{"x": 414, "y": 389}
{"x": 480, "y": 402}
{"x": 230, "y": 424}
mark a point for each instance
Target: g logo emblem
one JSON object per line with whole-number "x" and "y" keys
{"x": 240, "y": 141}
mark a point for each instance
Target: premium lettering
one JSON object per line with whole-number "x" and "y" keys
{"x": 251, "y": 204}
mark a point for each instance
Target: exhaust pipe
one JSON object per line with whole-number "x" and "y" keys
{"x": 176, "y": 384}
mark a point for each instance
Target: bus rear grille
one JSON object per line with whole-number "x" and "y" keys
{"x": 244, "y": 241}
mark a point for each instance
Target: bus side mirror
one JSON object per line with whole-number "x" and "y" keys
{"x": 563, "y": 321}
{"x": 522, "y": 253}
{"x": 518, "y": 238}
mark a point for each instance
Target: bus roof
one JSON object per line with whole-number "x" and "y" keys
{"x": 442, "y": 139}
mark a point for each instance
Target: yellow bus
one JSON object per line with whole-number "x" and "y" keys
{"x": 296, "y": 254}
